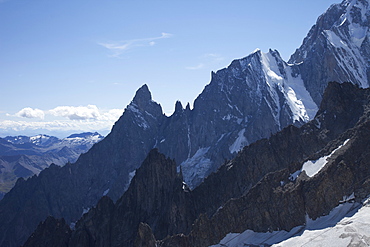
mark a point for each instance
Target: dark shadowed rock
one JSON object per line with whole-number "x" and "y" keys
{"x": 144, "y": 237}
{"x": 51, "y": 232}
{"x": 155, "y": 197}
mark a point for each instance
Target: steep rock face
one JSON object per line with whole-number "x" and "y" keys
{"x": 58, "y": 229}
{"x": 145, "y": 237}
{"x": 272, "y": 205}
{"x": 336, "y": 48}
{"x": 251, "y": 99}
{"x": 156, "y": 196}
{"x": 341, "y": 108}
{"x": 70, "y": 190}
{"x": 132, "y": 137}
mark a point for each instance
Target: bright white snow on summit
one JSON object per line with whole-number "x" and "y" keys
{"x": 349, "y": 47}
{"x": 196, "y": 166}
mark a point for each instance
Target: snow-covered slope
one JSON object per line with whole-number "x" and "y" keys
{"x": 346, "y": 225}
{"x": 350, "y": 230}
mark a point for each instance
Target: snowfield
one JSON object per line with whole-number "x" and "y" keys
{"x": 346, "y": 225}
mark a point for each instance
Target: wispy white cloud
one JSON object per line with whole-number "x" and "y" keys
{"x": 213, "y": 57}
{"x": 28, "y": 112}
{"x": 118, "y": 48}
{"x": 199, "y": 66}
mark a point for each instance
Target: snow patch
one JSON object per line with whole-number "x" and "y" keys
{"x": 130, "y": 176}
{"x": 294, "y": 175}
{"x": 350, "y": 59}
{"x": 280, "y": 77}
{"x": 313, "y": 167}
{"x": 139, "y": 120}
{"x": 358, "y": 33}
{"x": 348, "y": 198}
{"x": 228, "y": 117}
{"x": 85, "y": 210}
{"x": 334, "y": 39}
{"x": 302, "y": 102}
{"x": 240, "y": 142}
{"x": 249, "y": 237}
{"x": 196, "y": 166}
{"x": 105, "y": 192}
{"x": 219, "y": 139}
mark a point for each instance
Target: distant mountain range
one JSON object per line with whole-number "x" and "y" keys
{"x": 25, "y": 156}
{"x": 211, "y": 184}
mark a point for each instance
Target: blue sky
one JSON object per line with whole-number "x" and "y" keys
{"x": 73, "y": 66}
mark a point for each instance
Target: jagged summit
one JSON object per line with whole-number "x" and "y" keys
{"x": 337, "y": 48}
{"x": 178, "y": 107}
{"x": 142, "y": 96}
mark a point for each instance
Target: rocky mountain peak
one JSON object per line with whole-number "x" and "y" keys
{"x": 165, "y": 170}
{"x": 142, "y": 111}
{"x": 337, "y": 48}
{"x": 178, "y": 107}
{"x": 187, "y": 106}
{"x": 142, "y": 96}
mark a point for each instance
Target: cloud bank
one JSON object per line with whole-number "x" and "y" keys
{"x": 76, "y": 113}
{"x": 71, "y": 119}
{"x": 28, "y": 112}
